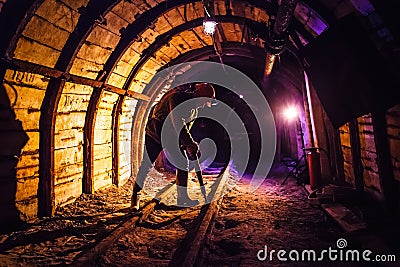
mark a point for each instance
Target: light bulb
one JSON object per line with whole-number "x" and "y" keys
{"x": 209, "y": 25}
{"x": 291, "y": 113}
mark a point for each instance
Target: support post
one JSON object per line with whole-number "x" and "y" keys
{"x": 116, "y": 115}
{"x": 88, "y": 137}
{"x": 46, "y": 195}
{"x": 385, "y": 168}
{"x": 356, "y": 155}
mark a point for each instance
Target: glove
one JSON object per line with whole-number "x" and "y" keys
{"x": 193, "y": 151}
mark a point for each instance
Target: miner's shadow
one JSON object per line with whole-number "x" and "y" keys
{"x": 12, "y": 139}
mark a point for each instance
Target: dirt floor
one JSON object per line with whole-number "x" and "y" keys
{"x": 274, "y": 216}
{"x": 79, "y": 226}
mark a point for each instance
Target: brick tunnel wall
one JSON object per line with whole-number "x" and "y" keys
{"x": 368, "y": 154}
{"x": 68, "y": 152}
{"x": 25, "y": 92}
{"x": 43, "y": 39}
{"x": 369, "y": 157}
{"x": 125, "y": 139}
{"x": 347, "y": 154}
{"x": 47, "y": 32}
{"x": 367, "y": 151}
{"x": 393, "y": 128}
{"x": 103, "y": 141}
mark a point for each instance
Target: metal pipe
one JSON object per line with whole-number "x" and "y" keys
{"x": 310, "y": 113}
{"x": 277, "y": 36}
{"x": 284, "y": 16}
{"x": 269, "y": 63}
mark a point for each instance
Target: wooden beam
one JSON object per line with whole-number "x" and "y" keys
{"x": 356, "y": 155}
{"x": 339, "y": 160}
{"x": 115, "y": 90}
{"x": 137, "y": 131}
{"x": 85, "y": 81}
{"x": 217, "y": 42}
{"x": 58, "y": 76}
{"x": 136, "y": 95}
{"x": 221, "y": 32}
{"x": 188, "y": 250}
{"x": 203, "y": 43}
{"x": 384, "y": 162}
{"x": 129, "y": 93}
{"x": 116, "y": 115}
{"x": 139, "y": 124}
{"x": 88, "y": 137}
{"x": 46, "y": 195}
{"x": 23, "y": 66}
{"x": 245, "y": 30}
{"x": 90, "y": 13}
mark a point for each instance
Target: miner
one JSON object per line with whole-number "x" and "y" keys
{"x": 200, "y": 97}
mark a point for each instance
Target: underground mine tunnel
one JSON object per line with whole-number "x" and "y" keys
{"x": 80, "y": 78}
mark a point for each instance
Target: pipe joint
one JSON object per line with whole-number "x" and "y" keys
{"x": 274, "y": 44}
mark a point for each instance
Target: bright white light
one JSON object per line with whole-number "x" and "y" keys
{"x": 241, "y": 96}
{"x": 290, "y": 113}
{"x": 209, "y": 26}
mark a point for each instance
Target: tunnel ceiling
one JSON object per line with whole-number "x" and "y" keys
{"x": 122, "y": 44}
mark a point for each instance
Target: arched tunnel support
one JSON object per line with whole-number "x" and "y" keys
{"x": 140, "y": 115}
{"x": 90, "y": 16}
{"x": 51, "y": 100}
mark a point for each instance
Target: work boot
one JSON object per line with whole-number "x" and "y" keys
{"x": 183, "y": 199}
{"x": 135, "y": 197}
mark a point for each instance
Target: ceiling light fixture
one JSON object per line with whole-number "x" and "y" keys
{"x": 291, "y": 113}
{"x": 209, "y": 23}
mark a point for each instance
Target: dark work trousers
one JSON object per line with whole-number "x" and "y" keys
{"x": 153, "y": 150}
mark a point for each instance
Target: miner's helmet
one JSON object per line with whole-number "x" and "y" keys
{"x": 205, "y": 90}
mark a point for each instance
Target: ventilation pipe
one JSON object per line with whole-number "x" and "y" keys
{"x": 277, "y": 33}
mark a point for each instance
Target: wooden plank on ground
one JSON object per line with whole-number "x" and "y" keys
{"x": 346, "y": 219}
{"x": 186, "y": 254}
{"x": 89, "y": 257}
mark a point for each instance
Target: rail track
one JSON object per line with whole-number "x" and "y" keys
{"x": 186, "y": 248}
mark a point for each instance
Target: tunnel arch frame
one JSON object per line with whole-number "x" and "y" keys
{"x": 92, "y": 11}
